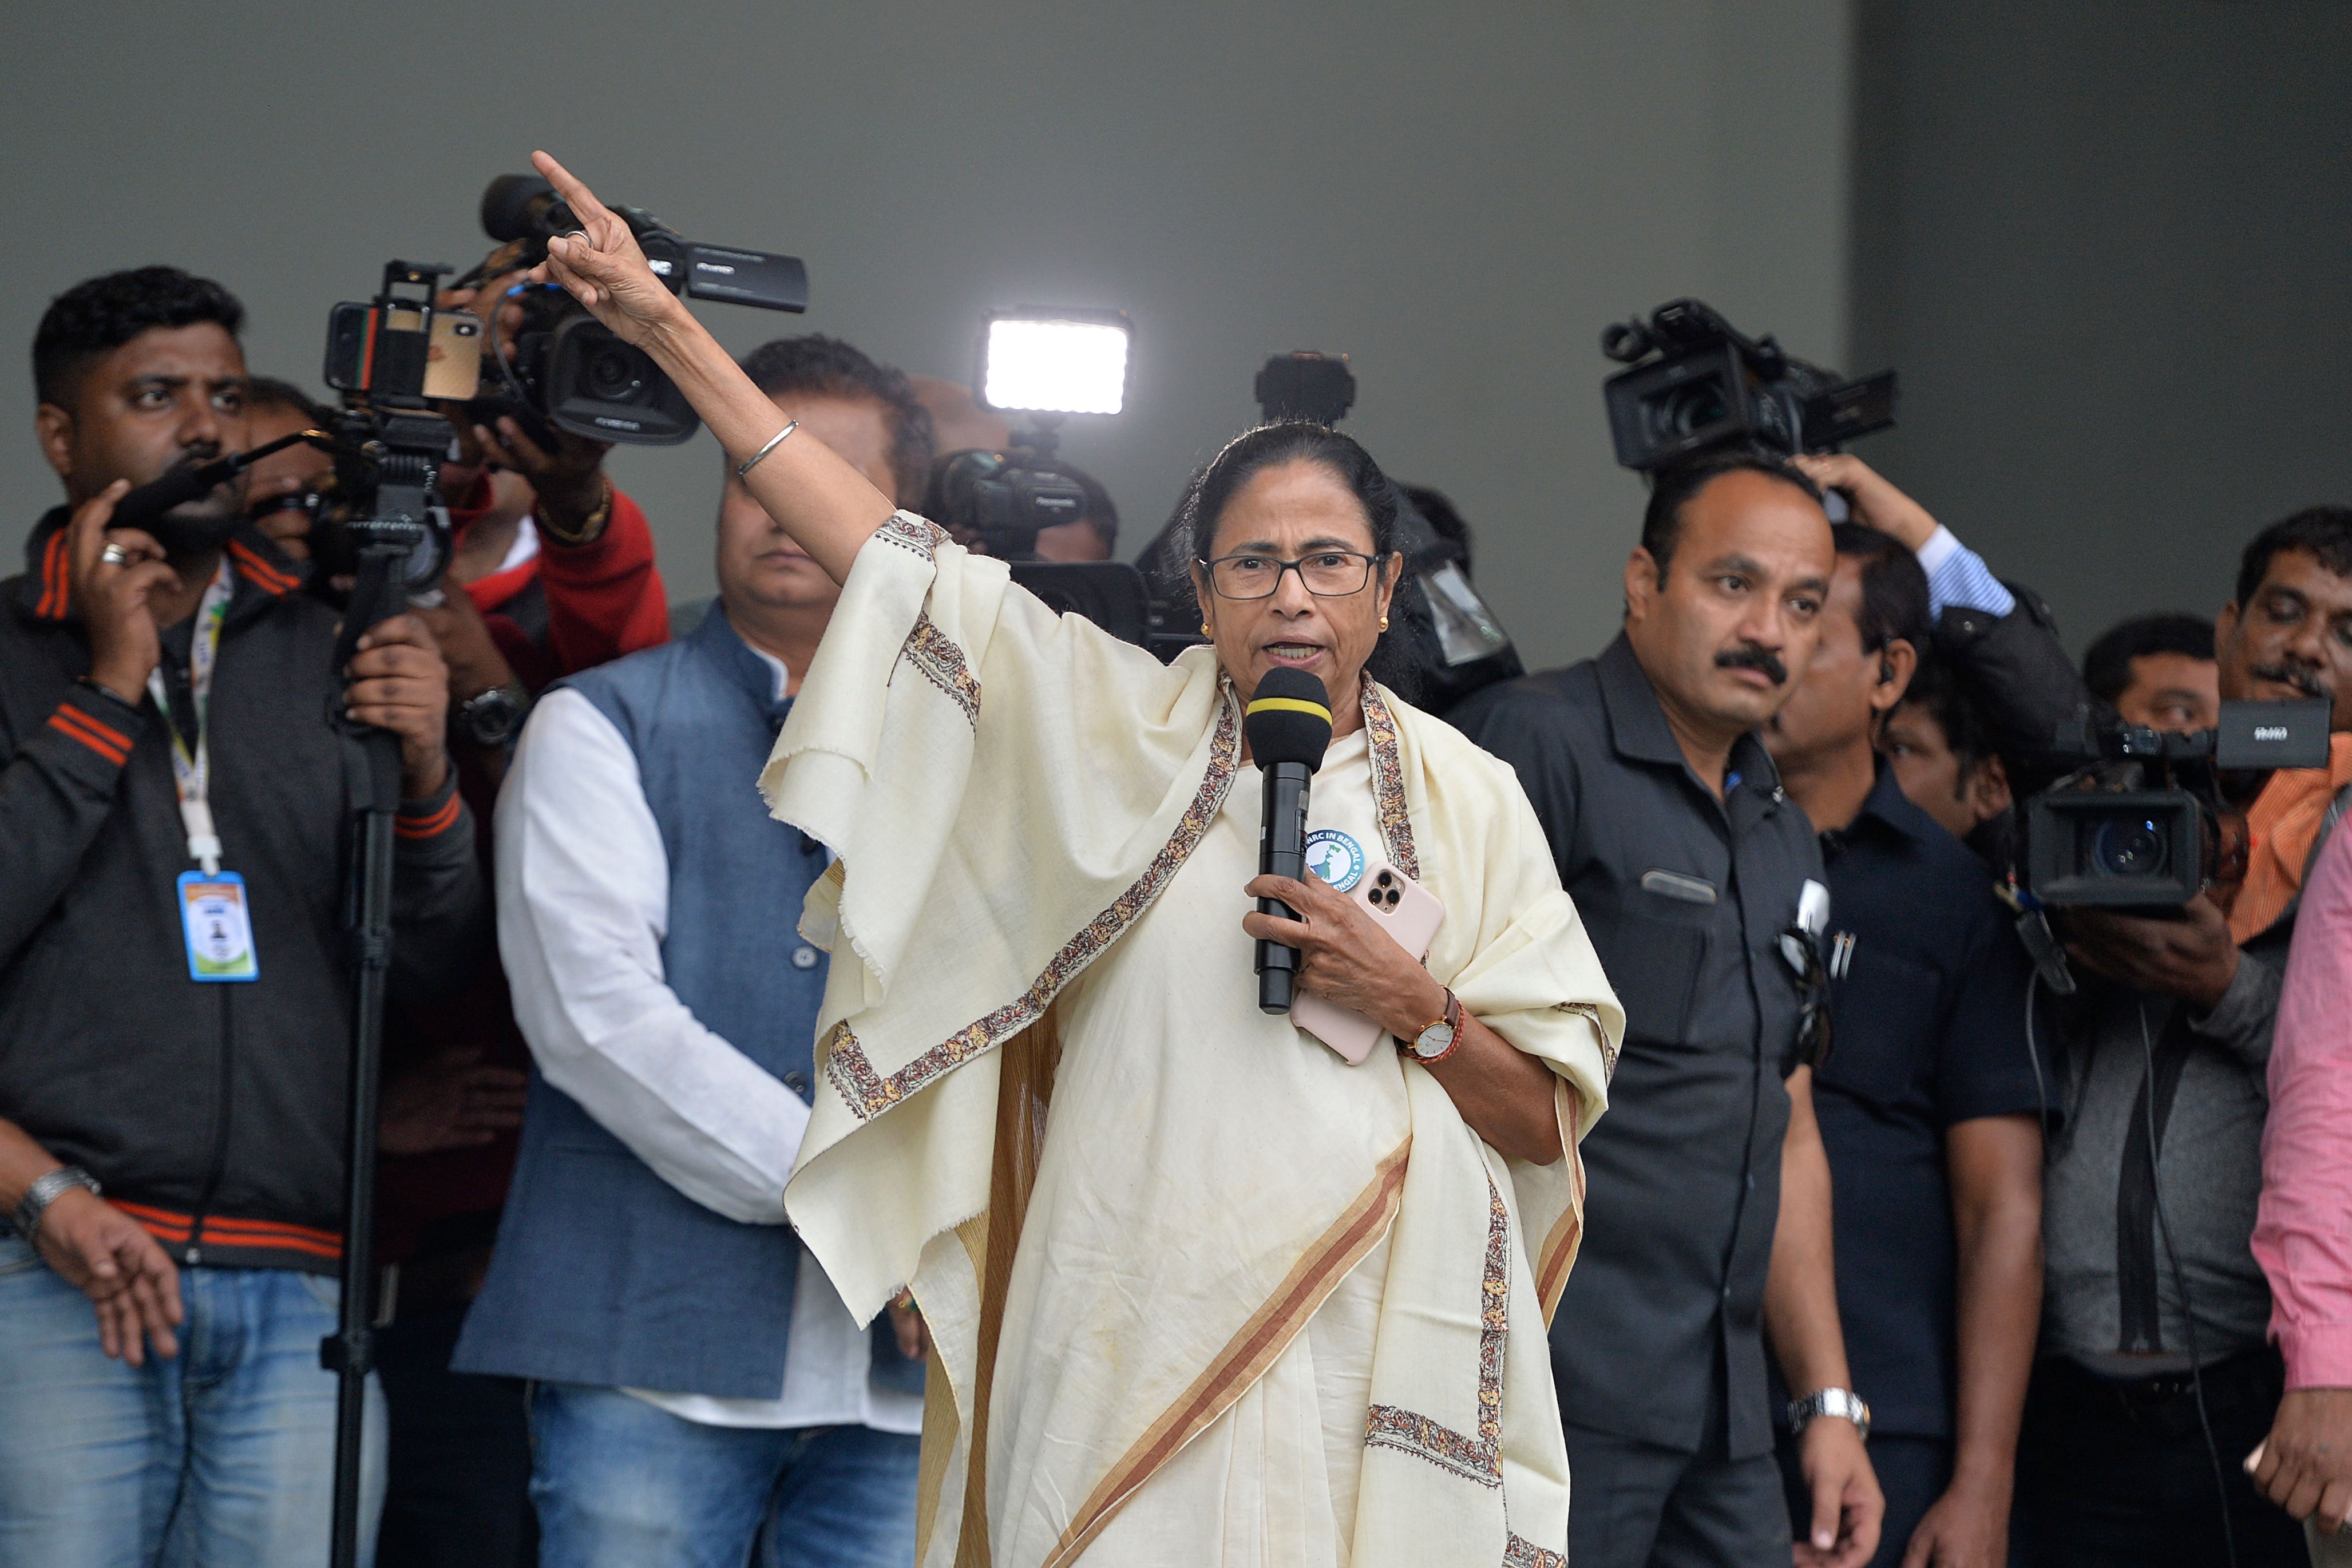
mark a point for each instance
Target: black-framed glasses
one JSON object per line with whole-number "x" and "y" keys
{"x": 1803, "y": 956}
{"x": 1327, "y": 574}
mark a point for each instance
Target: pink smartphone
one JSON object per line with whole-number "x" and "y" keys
{"x": 1410, "y": 914}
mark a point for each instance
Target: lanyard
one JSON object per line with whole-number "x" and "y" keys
{"x": 192, "y": 764}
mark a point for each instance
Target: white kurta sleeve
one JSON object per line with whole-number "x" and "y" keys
{"x": 584, "y": 903}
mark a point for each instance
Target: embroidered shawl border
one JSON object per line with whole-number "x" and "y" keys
{"x": 1524, "y": 1553}
{"x": 941, "y": 662}
{"x": 1388, "y": 781}
{"x": 916, "y": 535}
{"x": 1478, "y": 1459}
{"x": 1591, "y": 1015}
{"x": 869, "y": 1093}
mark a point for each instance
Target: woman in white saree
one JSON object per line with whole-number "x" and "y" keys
{"x": 1199, "y": 1293}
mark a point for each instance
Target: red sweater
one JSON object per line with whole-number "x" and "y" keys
{"x": 601, "y": 601}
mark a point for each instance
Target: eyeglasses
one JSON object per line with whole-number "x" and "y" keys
{"x": 1327, "y": 574}
{"x": 1803, "y": 957}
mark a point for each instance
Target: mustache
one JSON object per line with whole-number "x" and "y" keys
{"x": 194, "y": 458}
{"x": 2301, "y": 678}
{"x": 1753, "y": 656}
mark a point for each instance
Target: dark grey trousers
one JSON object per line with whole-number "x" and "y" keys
{"x": 1636, "y": 1505}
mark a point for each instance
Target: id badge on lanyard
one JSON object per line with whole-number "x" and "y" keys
{"x": 215, "y": 918}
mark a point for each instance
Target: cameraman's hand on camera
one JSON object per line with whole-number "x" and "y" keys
{"x": 129, "y": 1280}
{"x": 1874, "y": 503}
{"x": 398, "y": 681}
{"x": 112, "y": 600}
{"x": 2190, "y": 957}
{"x": 568, "y": 485}
{"x": 603, "y": 267}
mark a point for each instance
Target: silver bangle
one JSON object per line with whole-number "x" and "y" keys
{"x": 775, "y": 441}
{"x": 45, "y": 1190}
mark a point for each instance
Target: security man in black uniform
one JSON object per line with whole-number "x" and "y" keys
{"x": 1700, "y": 882}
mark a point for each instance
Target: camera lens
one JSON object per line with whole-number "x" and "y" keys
{"x": 612, "y": 373}
{"x": 2129, "y": 847}
{"x": 1687, "y": 409}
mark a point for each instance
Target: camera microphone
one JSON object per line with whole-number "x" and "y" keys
{"x": 151, "y": 505}
{"x": 524, "y": 206}
{"x": 1288, "y": 723}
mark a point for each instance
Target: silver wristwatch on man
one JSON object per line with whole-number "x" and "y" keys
{"x": 1842, "y": 1402}
{"x": 45, "y": 1190}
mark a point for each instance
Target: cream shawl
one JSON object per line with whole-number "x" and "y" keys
{"x": 1007, "y": 791}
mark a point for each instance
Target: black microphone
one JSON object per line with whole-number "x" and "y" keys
{"x": 149, "y": 506}
{"x": 524, "y": 206}
{"x": 1288, "y": 723}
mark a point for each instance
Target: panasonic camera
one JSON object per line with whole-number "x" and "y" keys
{"x": 1698, "y": 384}
{"x": 566, "y": 370}
{"x": 997, "y": 502}
{"x": 2143, "y": 822}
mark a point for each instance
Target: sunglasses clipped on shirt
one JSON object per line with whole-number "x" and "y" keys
{"x": 1802, "y": 954}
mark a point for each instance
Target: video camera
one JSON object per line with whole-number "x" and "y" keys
{"x": 1003, "y": 500}
{"x": 1698, "y": 384}
{"x": 392, "y": 358}
{"x": 2143, "y": 822}
{"x": 567, "y": 370}
{"x": 389, "y": 357}
{"x": 1454, "y": 642}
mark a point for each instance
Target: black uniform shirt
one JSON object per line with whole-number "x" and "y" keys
{"x": 1928, "y": 987}
{"x": 1685, "y": 898}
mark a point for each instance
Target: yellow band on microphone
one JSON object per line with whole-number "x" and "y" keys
{"x": 1289, "y": 705}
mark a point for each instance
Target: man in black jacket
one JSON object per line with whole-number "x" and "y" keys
{"x": 175, "y": 996}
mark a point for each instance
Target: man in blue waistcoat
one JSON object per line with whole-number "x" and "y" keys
{"x": 699, "y": 1385}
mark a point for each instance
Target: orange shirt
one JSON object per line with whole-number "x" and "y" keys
{"x": 2281, "y": 828}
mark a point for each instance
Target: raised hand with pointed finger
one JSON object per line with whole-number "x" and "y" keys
{"x": 602, "y": 265}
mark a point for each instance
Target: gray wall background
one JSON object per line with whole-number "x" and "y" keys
{"x": 2109, "y": 244}
{"x": 2105, "y": 242}
{"x": 1458, "y": 196}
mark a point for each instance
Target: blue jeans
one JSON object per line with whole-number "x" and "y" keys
{"x": 620, "y": 1483}
{"x": 224, "y": 1454}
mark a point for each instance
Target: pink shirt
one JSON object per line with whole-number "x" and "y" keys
{"x": 2303, "y": 1238}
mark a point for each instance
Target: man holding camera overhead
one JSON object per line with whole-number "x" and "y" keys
{"x": 2154, "y": 1377}
{"x": 175, "y": 981}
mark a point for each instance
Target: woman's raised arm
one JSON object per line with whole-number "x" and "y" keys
{"x": 826, "y": 506}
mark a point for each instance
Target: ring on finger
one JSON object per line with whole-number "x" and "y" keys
{"x": 115, "y": 555}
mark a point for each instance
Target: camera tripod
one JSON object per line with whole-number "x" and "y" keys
{"x": 371, "y": 785}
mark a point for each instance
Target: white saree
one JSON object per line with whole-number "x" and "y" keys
{"x": 1199, "y": 1293}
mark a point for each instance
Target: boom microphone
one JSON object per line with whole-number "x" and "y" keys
{"x": 1288, "y": 723}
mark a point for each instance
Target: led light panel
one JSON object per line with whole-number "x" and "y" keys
{"x": 1055, "y": 366}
